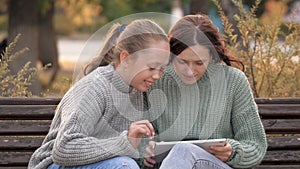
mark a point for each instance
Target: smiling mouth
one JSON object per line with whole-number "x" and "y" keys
{"x": 148, "y": 83}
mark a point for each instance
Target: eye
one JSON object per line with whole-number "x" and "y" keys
{"x": 199, "y": 63}
{"x": 151, "y": 68}
{"x": 180, "y": 61}
{"x": 163, "y": 68}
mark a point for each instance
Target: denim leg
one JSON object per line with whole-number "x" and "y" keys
{"x": 122, "y": 162}
{"x": 190, "y": 156}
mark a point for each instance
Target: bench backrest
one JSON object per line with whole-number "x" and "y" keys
{"x": 281, "y": 120}
{"x": 24, "y": 122}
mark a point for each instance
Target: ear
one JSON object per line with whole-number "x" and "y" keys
{"x": 124, "y": 56}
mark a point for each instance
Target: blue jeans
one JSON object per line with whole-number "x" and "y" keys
{"x": 122, "y": 162}
{"x": 190, "y": 156}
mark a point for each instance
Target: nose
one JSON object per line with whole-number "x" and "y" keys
{"x": 190, "y": 69}
{"x": 157, "y": 74}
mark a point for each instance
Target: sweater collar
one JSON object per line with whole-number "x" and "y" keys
{"x": 117, "y": 81}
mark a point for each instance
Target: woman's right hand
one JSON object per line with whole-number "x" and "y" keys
{"x": 148, "y": 161}
{"x": 137, "y": 130}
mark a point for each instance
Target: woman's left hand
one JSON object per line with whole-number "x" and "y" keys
{"x": 221, "y": 152}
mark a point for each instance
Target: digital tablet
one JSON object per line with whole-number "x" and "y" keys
{"x": 161, "y": 149}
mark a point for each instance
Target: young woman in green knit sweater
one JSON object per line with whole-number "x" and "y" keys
{"x": 201, "y": 96}
{"x": 99, "y": 121}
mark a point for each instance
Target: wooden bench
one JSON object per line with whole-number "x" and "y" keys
{"x": 24, "y": 122}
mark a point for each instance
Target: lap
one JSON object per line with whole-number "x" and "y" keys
{"x": 190, "y": 156}
{"x": 122, "y": 162}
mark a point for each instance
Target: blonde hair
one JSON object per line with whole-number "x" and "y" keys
{"x": 138, "y": 35}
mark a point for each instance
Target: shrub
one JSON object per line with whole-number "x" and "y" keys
{"x": 15, "y": 85}
{"x": 270, "y": 52}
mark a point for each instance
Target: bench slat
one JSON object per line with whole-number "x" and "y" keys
{"x": 289, "y": 126}
{"x": 277, "y": 100}
{"x": 28, "y": 101}
{"x": 277, "y": 167}
{"x": 55, "y": 101}
{"x": 281, "y": 157}
{"x": 20, "y": 143}
{"x": 14, "y": 167}
{"x": 282, "y": 111}
{"x": 14, "y": 159}
{"x": 27, "y": 112}
{"x": 25, "y": 127}
{"x": 284, "y": 143}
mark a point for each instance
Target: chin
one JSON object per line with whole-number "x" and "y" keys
{"x": 142, "y": 89}
{"x": 189, "y": 82}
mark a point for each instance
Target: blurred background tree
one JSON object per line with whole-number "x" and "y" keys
{"x": 24, "y": 20}
{"x": 42, "y": 22}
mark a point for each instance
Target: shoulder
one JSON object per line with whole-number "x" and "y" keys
{"x": 232, "y": 71}
{"x": 234, "y": 75}
{"x": 96, "y": 81}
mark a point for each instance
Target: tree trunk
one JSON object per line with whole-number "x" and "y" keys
{"x": 47, "y": 41}
{"x": 230, "y": 10}
{"x": 23, "y": 19}
{"x": 199, "y": 6}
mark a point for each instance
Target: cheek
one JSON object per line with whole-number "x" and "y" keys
{"x": 201, "y": 70}
{"x": 180, "y": 67}
{"x": 140, "y": 76}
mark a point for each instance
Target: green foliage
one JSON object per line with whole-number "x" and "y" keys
{"x": 15, "y": 85}
{"x": 270, "y": 52}
{"x": 114, "y": 9}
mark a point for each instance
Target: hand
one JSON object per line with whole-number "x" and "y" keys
{"x": 221, "y": 152}
{"x": 137, "y": 130}
{"x": 148, "y": 161}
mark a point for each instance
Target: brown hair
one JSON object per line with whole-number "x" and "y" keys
{"x": 138, "y": 35}
{"x": 198, "y": 29}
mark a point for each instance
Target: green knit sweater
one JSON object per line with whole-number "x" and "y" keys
{"x": 219, "y": 105}
{"x": 91, "y": 122}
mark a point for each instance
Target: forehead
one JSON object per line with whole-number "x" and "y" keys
{"x": 155, "y": 54}
{"x": 194, "y": 53}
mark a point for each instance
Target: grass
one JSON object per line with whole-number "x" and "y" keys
{"x": 60, "y": 85}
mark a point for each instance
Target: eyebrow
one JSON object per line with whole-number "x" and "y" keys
{"x": 156, "y": 64}
{"x": 201, "y": 60}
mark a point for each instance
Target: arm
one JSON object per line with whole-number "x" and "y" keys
{"x": 249, "y": 143}
{"x": 78, "y": 141}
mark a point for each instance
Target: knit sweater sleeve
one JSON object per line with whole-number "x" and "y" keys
{"x": 75, "y": 143}
{"x": 249, "y": 143}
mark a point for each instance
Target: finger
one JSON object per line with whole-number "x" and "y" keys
{"x": 149, "y": 152}
{"x": 223, "y": 153}
{"x": 152, "y": 144}
{"x": 218, "y": 148}
{"x": 137, "y": 130}
{"x": 150, "y": 160}
{"x": 148, "y": 124}
{"x": 222, "y": 149}
{"x": 147, "y": 131}
{"x": 148, "y": 164}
